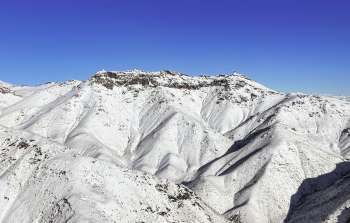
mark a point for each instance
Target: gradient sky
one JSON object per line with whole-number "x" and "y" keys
{"x": 289, "y": 45}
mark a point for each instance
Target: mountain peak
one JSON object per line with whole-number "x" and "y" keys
{"x": 136, "y": 72}
{"x": 245, "y": 153}
{"x": 171, "y": 79}
{"x": 5, "y": 84}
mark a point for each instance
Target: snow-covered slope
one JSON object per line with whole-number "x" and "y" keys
{"x": 42, "y": 181}
{"x": 325, "y": 198}
{"x": 237, "y": 150}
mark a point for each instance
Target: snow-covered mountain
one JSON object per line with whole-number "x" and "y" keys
{"x": 141, "y": 146}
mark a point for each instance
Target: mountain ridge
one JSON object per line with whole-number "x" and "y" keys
{"x": 240, "y": 147}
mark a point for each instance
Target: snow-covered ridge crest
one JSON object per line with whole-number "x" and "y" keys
{"x": 171, "y": 79}
{"x": 5, "y": 87}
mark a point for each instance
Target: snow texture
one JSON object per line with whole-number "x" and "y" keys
{"x": 136, "y": 146}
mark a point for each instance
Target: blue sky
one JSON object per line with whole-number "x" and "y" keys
{"x": 299, "y": 45}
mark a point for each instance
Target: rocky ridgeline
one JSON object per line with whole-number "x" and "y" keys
{"x": 5, "y": 90}
{"x": 167, "y": 79}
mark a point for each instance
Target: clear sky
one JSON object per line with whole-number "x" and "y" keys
{"x": 289, "y": 45}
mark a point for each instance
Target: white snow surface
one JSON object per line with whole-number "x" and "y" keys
{"x": 136, "y": 146}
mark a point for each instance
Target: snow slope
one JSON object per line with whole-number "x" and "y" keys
{"x": 42, "y": 181}
{"x": 325, "y": 198}
{"x": 238, "y": 151}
